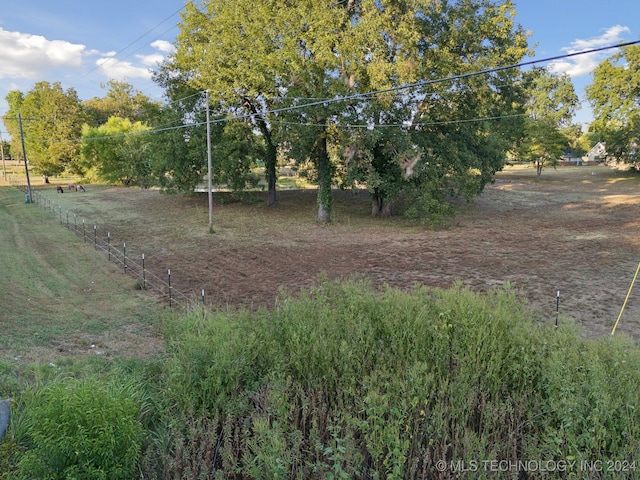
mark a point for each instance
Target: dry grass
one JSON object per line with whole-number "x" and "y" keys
{"x": 572, "y": 231}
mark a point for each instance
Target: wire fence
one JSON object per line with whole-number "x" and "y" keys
{"x": 132, "y": 263}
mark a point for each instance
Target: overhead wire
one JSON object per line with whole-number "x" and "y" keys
{"x": 398, "y": 88}
{"x": 424, "y": 83}
{"x": 134, "y": 42}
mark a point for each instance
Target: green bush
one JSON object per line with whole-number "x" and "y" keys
{"x": 81, "y": 429}
{"x": 346, "y": 382}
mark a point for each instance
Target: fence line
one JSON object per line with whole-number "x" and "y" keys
{"x": 119, "y": 255}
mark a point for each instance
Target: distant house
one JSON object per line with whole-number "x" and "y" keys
{"x": 598, "y": 153}
{"x": 594, "y": 156}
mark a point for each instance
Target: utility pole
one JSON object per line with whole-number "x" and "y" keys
{"x": 209, "y": 185}
{"x": 4, "y": 167}
{"x": 24, "y": 153}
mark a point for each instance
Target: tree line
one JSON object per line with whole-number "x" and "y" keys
{"x": 380, "y": 95}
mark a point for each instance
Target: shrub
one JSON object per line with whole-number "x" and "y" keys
{"x": 81, "y": 429}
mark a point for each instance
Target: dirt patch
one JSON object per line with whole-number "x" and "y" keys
{"x": 576, "y": 231}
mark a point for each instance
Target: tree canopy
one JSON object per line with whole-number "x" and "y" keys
{"x": 121, "y": 100}
{"x": 118, "y": 152}
{"x": 615, "y": 97}
{"x": 305, "y": 74}
{"x": 52, "y": 123}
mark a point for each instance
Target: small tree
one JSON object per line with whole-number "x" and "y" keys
{"x": 548, "y": 131}
{"x": 118, "y": 152}
{"x": 543, "y": 144}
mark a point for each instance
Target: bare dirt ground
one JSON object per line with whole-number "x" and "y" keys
{"x": 576, "y": 231}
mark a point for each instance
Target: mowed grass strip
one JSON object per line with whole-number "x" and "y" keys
{"x": 59, "y": 297}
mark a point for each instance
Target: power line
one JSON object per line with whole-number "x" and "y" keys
{"x": 134, "y": 42}
{"x": 366, "y": 95}
{"x": 424, "y": 83}
{"x": 451, "y": 78}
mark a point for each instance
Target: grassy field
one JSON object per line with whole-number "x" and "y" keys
{"x": 351, "y": 379}
{"x": 575, "y": 231}
{"x": 58, "y": 298}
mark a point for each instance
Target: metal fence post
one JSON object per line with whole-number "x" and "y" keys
{"x": 169, "y": 274}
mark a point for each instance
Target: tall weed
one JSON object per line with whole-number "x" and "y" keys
{"x": 346, "y": 382}
{"x": 81, "y": 429}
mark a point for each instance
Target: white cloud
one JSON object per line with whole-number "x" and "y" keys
{"x": 163, "y": 46}
{"x": 151, "y": 60}
{"x": 585, "y": 64}
{"x": 27, "y": 56}
{"x": 110, "y": 67}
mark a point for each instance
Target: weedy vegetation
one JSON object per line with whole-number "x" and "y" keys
{"x": 340, "y": 380}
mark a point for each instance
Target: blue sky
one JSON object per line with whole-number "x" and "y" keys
{"x": 83, "y": 45}
{"x": 560, "y": 27}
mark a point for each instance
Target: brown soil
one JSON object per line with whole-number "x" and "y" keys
{"x": 576, "y": 231}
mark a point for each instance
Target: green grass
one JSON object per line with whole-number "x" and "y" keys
{"x": 57, "y": 291}
{"x": 343, "y": 381}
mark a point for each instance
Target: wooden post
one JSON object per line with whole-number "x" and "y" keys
{"x": 24, "y": 153}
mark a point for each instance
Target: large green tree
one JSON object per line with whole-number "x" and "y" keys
{"x": 258, "y": 57}
{"x": 464, "y": 125}
{"x": 52, "y": 121}
{"x": 266, "y": 61}
{"x": 447, "y": 134}
{"x": 615, "y": 97}
{"x": 225, "y": 49}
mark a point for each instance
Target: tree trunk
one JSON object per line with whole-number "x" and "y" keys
{"x": 379, "y": 207}
{"x": 270, "y": 167}
{"x": 325, "y": 200}
{"x": 387, "y": 209}
{"x": 272, "y": 153}
{"x": 377, "y": 203}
